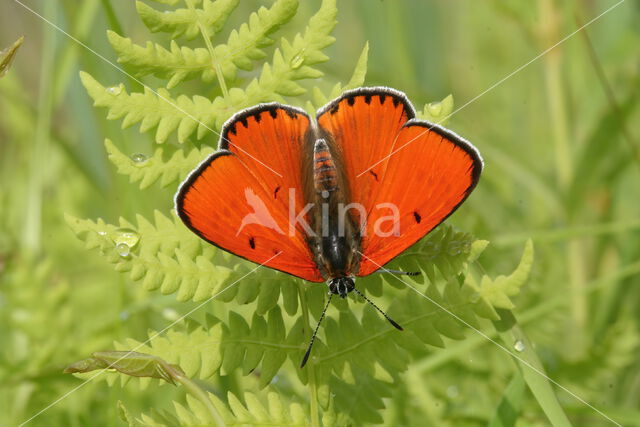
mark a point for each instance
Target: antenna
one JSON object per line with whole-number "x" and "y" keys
{"x": 313, "y": 338}
{"x": 395, "y": 325}
{"x": 406, "y": 273}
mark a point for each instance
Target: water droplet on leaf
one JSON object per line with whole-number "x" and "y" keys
{"x": 139, "y": 158}
{"x": 114, "y": 90}
{"x": 123, "y": 249}
{"x": 170, "y": 314}
{"x": 298, "y": 60}
{"x": 475, "y": 297}
{"x": 519, "y": 346}
{"x": 126, "y": 236}
{"x": 452, "y": 392}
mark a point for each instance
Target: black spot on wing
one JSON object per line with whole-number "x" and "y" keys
{"x": 375, "y": 175}
{"x": 232, "y": 128}
{"x": 351, "y": 100}
{"x": 275, "y": 192}
{"x": 252, "y": 242}
{"x": 273, "y": 112}
{"x": 417, "y": 217}
{"x": 367, "y": 99}
{"x": 244, "y": 122}
{"x": 335, "y": 108}
{"x": 258, "y": 117}
{"x": 396, "y": 101}
{"x": 382, "y": 97}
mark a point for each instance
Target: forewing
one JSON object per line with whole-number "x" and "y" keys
{"x": 431, "y": 172}
{"x": 240, "y": 198}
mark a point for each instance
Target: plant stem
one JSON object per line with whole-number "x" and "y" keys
{"x": 39, "y": 155}
{"x": 215, "y": 64}
{"x": 564, "y": 174}
{"x": 532, "y": 371}
{"x": 310, "y": 367}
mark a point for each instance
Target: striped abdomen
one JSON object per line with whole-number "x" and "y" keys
{"x": 325, "y": 175}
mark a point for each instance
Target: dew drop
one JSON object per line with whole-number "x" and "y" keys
{"x": 114, "y": 90}
{"x": 298, "y": 60}
{"x": 139, "y": 158}
{"x": 126, "y": 236}
{"x": 475, "y": 297}
{"x": 123, "y": 249}
{"x": 325, "y": 194}
{"x": 170, "y": 314}
{"x": 453, "y": 248}
{"x": 519, "y": 346}
{"x": 102, "y": 233}
{"x": 453, "y": 392}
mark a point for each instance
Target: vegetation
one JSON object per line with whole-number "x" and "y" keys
{"x": 97, "y": 272}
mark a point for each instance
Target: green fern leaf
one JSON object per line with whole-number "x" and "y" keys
{"x": 497, "y": 292}
{"x": 244, "y": 45}
{"x": 176, "y": 64}
{"x": 292, "y": 62}
{"x": 149, "y": 170}
{"x": 437, "y": 112}
{"x": 156, "y": 110}
{"x": 357, "y": 80}
{"x": 253, "y": 413}
{"x": 444, "y": 250}
{"x": 183, "y": 63}
{"x": 164, "y": 256}
{"x": 185, "y": 22}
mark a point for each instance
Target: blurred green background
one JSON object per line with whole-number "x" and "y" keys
{"x": 561, "y": 144}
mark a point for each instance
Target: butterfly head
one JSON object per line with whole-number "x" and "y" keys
{"x": 341, "y": 286}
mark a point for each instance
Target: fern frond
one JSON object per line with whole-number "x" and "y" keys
{"x": 184, "y": 114}
{"x": 444, "y": 250}
{"x": 176, "y": 64}
{"x": 437, "y": 112}
{"x": 292, "y": 62}
{"x": 185, "y": 22}
{"x": 263, "y": 346}
{"x": 245, "y": 45}
{"x": 497, "y": 292}
{"x": 149, "y": 169}
{"x": 164, "y": 256}
{"x": 357, "y": 79}
{"x": 182, "y": 63}
{"x": 251, "y": 413}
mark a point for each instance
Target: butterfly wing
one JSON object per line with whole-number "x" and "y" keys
{"x": 363, "y": 124}
{"x": 240, "y": 198}
{"x": 415, "y": 176}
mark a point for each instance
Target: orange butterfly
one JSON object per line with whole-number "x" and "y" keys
{"x": 332, "y": 198}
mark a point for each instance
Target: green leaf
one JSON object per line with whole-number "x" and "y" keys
{"x": 158, "y": 109}
{"x": 437, "y": 112}
{"x": 129, "y": 363}
{"x": 184, "y": 22}
{"x": 251, "y": 413}
{"x": 7, "y": 55}
{"x": 179, "y": 63}
{"x": 165, "y": 256}
{"x": 510, "y": 405}
{"x": 148, "y": 170}
{"x": 497, "y": 292}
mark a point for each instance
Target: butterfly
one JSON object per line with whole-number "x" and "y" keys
{"x": 332, "y": 198}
